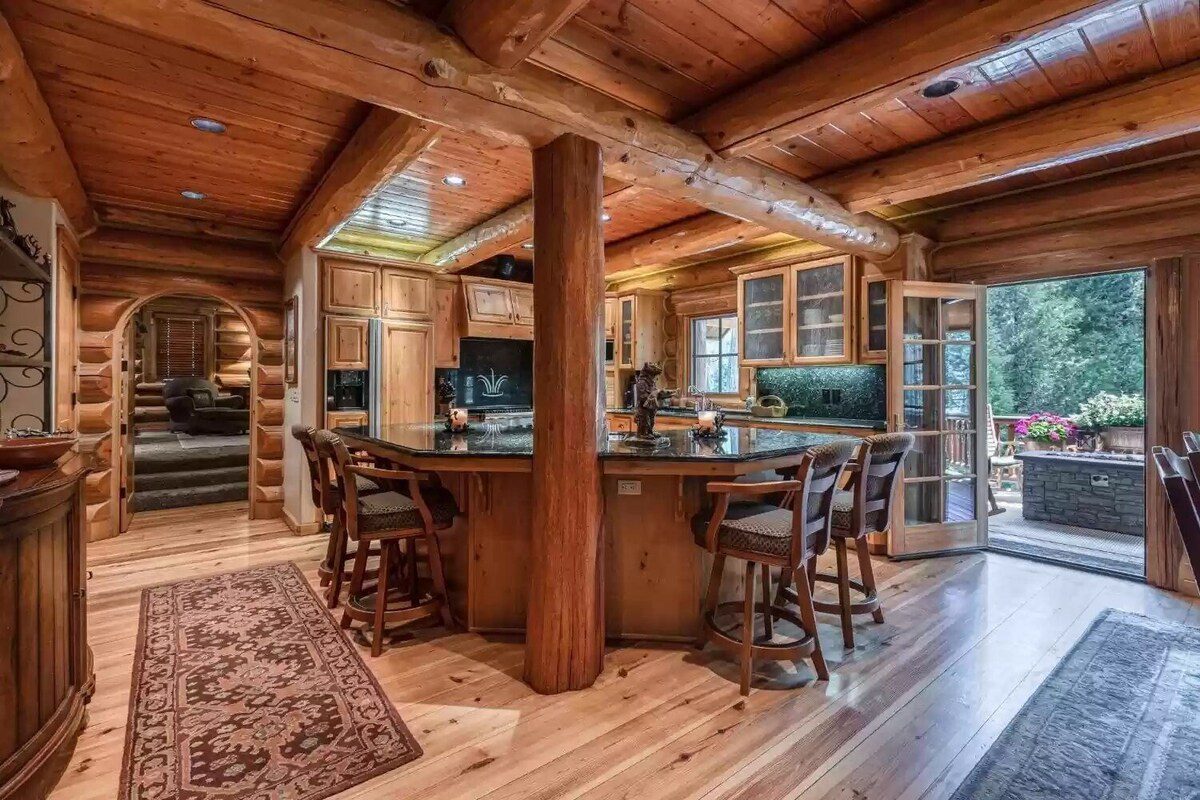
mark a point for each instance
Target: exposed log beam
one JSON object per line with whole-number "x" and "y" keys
{"x": 32, "y": 151}
{"x": 203, "y": 257}
{"x": 1157, "y": 107}
{"x": 1106, "y": 232}
{"x": 504, "y": 32}
{"x": 687, "y": 237}
{"x": 1167, "y": 181}
{"x": 389, "y": 56}
{"x": 898, "y": 55}
{"x": 503, "y": 232}
{"x": 383, "y": 146}
{"x": 145, "y": 219}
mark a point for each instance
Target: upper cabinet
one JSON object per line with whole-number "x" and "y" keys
{"x": 498, "y": 309}
{"x": 346, "y": 343}
{"x": 763, "y": 300}
{"x": 641, "y": 319}
{"x": 406, "y": 295}
{"x": 445, "y": 323}
{"x": 610, "y": 318}
{"x": 351, "y": 288}
{"x": 873, "y": 319}
{"x": 799, "y": 314}
{"x": 822, "y": 312}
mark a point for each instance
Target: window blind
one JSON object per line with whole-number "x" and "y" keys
{"x": 179, "y": 351}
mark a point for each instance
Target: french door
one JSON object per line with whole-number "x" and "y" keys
{"x": 937, "y": 391}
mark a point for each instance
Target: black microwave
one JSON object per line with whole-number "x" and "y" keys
{"x": 609, "y": 351}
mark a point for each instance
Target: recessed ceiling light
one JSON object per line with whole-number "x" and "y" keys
{"x": 941, "y": 88}
{"x": 528, "y": 245}
{"x": 208, "y": 125}
{"x": 454, "y": 180}
{"x": 605, "y": 217}
{"x": 192, "y": 194}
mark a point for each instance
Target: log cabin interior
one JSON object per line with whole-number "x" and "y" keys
{"x": 740, "y": 254}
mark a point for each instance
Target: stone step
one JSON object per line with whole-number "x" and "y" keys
{"x": 156, "y": 499}
{"x": 153, "y": 481}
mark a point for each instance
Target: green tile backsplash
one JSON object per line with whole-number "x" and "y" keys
{"x": 858, "y": 392}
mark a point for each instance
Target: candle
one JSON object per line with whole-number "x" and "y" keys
{"x": 707, "y": 421}
{"x": 458, "y": 419}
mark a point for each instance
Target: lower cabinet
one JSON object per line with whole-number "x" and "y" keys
{"x": 345, "y": 419}
{"x": 406, "y": 385}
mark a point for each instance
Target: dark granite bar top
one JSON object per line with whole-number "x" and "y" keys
{"x": 512, "y": 437}
{"x": 746, "y": 416}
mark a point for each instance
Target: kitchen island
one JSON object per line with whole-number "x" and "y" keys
{"x": 653, "y": 571}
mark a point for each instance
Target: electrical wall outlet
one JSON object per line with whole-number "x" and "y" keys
{"x": 629, "y": 487}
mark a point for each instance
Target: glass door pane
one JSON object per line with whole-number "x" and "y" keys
{"x": 820, "y": 306}
{"x": 934, "y": 387}
{"x": 876, "y": 299}
{"x": 762, "y": 318}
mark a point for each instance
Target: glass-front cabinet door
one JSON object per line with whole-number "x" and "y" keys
{"x": 822, "y": 320}
{"x": 626, "y": 332}
{"x": 937, "y": 390}
{"x": 873, "y": 319}
{"x": 763, "y": 300}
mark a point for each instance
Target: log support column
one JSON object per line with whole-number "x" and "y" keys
{"x": 565, "y": 627}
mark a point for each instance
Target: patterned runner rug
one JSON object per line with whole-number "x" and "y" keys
{"x": 1117, "y": 719}
{"x": 244, "y": 687}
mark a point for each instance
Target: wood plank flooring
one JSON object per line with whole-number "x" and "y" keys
{"x": 905, "y": 715}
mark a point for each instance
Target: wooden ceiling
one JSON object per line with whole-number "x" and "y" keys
{"x": 124, "y": 101}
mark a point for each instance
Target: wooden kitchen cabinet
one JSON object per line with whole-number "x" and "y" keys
{"x": 641, "y": 334}
{"x": 406, "y": 295}
{"x": 763, "y": 301}
{"x": 445, "y": 324}
{"x": 610, "y": 318}
{"x": 345, "y": 419}
{"x": 406, "y": 385}
{"x": 350, "y": 287}
{"x": 822, "y": 312}
{"x": 873, "y": 302}
{"x": 498, "y": 309}
{"x": 346, "y": 341}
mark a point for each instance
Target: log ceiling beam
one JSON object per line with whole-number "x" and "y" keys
{"x": 1171, "y": 180}
{"x": 32, "y": 151}
{"x": 504, "y": 32}
{"x": 201, "y": 258}
{"x": 689, "y": 237}
{"x": 503, "y": 232}
{"x": 898, "y": 55}
{"x": 1157, "y": 107}
{"x": 389, "y": 56}
{"x": 384, "y": 145}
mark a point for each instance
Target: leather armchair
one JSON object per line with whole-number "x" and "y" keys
{"x": 196, "y": 406}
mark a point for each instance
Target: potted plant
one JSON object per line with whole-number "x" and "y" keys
{"x": 1045, "y": 431}
{"x": 1120, "y": 419}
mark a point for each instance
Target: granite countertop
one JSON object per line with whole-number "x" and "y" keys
{"x": 513, "y": 438}
{"x": 738, "y": 414}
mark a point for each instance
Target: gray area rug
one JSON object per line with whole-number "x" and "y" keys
{"x": 1118, "y": 719}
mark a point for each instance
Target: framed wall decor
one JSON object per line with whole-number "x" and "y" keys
{"x": 290, "y": 325}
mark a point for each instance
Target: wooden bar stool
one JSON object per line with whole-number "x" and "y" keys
{"x": 325, "y": 498}
{"x": 391, "y": 518}
{"x": 766, "y": 536}
{"x": 865, "y": 507}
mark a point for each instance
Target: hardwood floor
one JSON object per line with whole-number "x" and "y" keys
{"x": 905, "y": 715}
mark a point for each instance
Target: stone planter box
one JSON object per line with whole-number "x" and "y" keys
{"x": 1103, "y": 491}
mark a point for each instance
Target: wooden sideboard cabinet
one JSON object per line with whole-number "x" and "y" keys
{"x": 46, "y": 672}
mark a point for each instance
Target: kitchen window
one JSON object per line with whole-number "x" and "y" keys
{"x": 714, "y": 354}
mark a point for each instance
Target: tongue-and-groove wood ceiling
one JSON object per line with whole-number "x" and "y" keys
{"x": 122, "y": 101}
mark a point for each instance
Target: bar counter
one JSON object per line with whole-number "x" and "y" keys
{"x": 653, "y": 570}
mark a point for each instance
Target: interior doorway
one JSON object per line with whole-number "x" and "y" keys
{"x": 186, "y": 396}
{"x": 1066, "y": 378}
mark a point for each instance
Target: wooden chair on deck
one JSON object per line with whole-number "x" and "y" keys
{"x": 768, "y": 536}
{"x": 324, "y": 497}
{"x": 1178, "y": 477}
{"x": 865, "y": 507}
{"x": 391, "y": 518}
{"x": 1002, "y": 461}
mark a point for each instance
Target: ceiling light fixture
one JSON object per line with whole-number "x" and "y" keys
{"x": 208, "y": 125}
{"x": 941, "y": 88}
{"x": 528, "y": 245}
{"x": 192, "y": 194}
{"x": 454, "y": 180}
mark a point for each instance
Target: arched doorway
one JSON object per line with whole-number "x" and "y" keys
{"x": 103, "y": 421}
